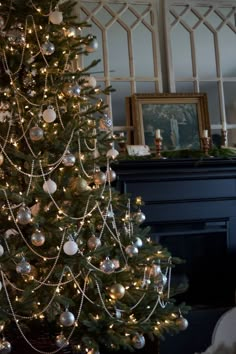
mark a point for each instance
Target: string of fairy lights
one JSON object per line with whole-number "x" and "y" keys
{"x": 68, "y": 242}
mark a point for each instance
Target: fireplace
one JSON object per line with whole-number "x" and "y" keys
{"x": 190, "y": 206}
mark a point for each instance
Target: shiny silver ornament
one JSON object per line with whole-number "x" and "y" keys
{"x": 50, "y": 186}
{"x": 155, "y": 270}
{"x": 1, "y": 158}
{"x": 182, "y": 323}
{"x": 56, "y": 17}
{"x": 107, "y": 266}
{"x": 93, "y": 351}
{"x": 138, "y": 341}
{"x": 160, "y": 281}
{"x": 93, "y": 242}
{"x": 23, "y": 267}
{"x": 99, "y": 177}
{"x": 2, "y": 326}
{"x": 36, "y": 133}
{"x": 138, "y": 242}
{"x": 68, "y": 159}
{"x": 75, "y": 90}
{"x": 61, "y": 341}
{"x": 48, "y": 48}
{"x": 111, "y": 175}
{"x": 5, "y": 347}
{"x": 23, "y": 216}
{"x": 1, "y": 251}
{"x": 105, "y": 123}
{"x": 67, "y": 318}
{"x": 37, "y": 238}
{"x": 139, "y": 217}
{"x": 117, "y": 291}
{"x": 131, "y": 250}
{"x": 71, "y": 32}
{"x": 0, "y": 285}
{"x": 92, "y": 46}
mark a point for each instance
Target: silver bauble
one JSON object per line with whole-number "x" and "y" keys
{"x": 2, "y": 23}
{"x": 1, "y": 158}
{"x": 48, "y": 48}
{"x": 37, "y": 238}
{"x": 61, "y": 341}
{"x": 92, "y": 46}
{"x": 0, "y": 285}
{"x": 138, "y": 242}
{"x": 56, "y": 17}
{"x": 117, "y": 291}
{"x": 139, "y": 217}
{"x": 75, "y": 90}
{"x": 1, "y": 251}
{"x": 131, "y": 250}
{"x": 23, "y": 216}
{"x": 107, "y": 266}
{"x": 105, "y": 123}
{"x": 5, "y": 347}
{"x": 49, "y": 115}
{"x": 93, "y": 242}
{"x": 93, "y": 351}
{"x": 138, "y": 341}
{"x": 68, "y": 159}
{"x": 71, "y": 32}
{"x": 67, "y": 318}
{"x": 155, "y": 270}
{"x": 16, "y": 37}
{"x": 2, "y": 326}
{"x": 70, "y": 248}
{"x": 99, "y": 177}
{"x": 160, "y": 281}
{"x": 111, "y": 175}
{"x": 36, "y": 133}
{"x": 182, "y": 323}
{"x": 23, "y": 267}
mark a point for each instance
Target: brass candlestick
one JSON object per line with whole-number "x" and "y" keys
{"x": 224, "y": 137}
{"x": 206, "y": 145}
{"x": 158, "y": 143}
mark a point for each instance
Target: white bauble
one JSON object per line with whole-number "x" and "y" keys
{"x": 70, "y": 248}
{"x": 49, "y": 115}
{"x": 90, "y": 81}
{"x": 0, "y": 285}
{"x": 1, "y": 250}
{"x": 49, "y": 186}
{"x": 56, "y": 17}
{"x": 112, "y": 153}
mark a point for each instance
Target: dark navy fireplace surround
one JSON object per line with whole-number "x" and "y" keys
{"x": 190, "y": 206}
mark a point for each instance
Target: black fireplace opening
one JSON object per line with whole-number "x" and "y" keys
{"x": 207, "y": 261}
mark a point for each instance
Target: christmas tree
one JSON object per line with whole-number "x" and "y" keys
{"x": 74, "y": 258}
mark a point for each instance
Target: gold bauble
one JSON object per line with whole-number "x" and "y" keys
{"x": 1, "y": 158}
{"x": 117, "y": 291}
{"x": 78, "y": 184}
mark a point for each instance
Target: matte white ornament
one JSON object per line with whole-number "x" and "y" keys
{"x": 112, "y": 153}
{"x": 70, "y": 248}
{"x": 49, "y": 115}
{"x": 56, "y": 17}
{"x": 1, "y": 250}
{"x": 90, "y": 81}
{"x": 49, "y": 186}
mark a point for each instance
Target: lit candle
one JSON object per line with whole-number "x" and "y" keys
{"x": 158, "y": 134}
{"x": 205, "y": 133}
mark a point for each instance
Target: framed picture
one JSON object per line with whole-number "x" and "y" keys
{"x": 180, "y": 119}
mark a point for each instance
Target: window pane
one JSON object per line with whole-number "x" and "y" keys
{"x": 211, "y": 88}
{"x": 227, "y": 44}
{"x": 230, "y": 101}
{"x": 118, "y": 102}
{"x": 184, "y": 87}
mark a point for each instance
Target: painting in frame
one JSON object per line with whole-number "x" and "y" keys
{"x": 181, "y": 119}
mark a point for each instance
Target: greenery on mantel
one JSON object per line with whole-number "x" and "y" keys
{"x": 221, "y": 152}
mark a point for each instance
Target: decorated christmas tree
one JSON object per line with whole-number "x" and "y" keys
{"x": 74, "y": 259}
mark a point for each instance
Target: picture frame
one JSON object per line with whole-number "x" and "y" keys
{"x": 179, "y": 118}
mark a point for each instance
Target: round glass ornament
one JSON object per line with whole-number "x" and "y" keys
{"x": 70, "y": 247}
{"x": 36, "y": 133}
{"x": 23, "y": 267}
{"x": 23, "y": 216}
{"x": 56, "y": 17}
{"x": 67, "y": 318}
{"x": 48, "y": 48}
